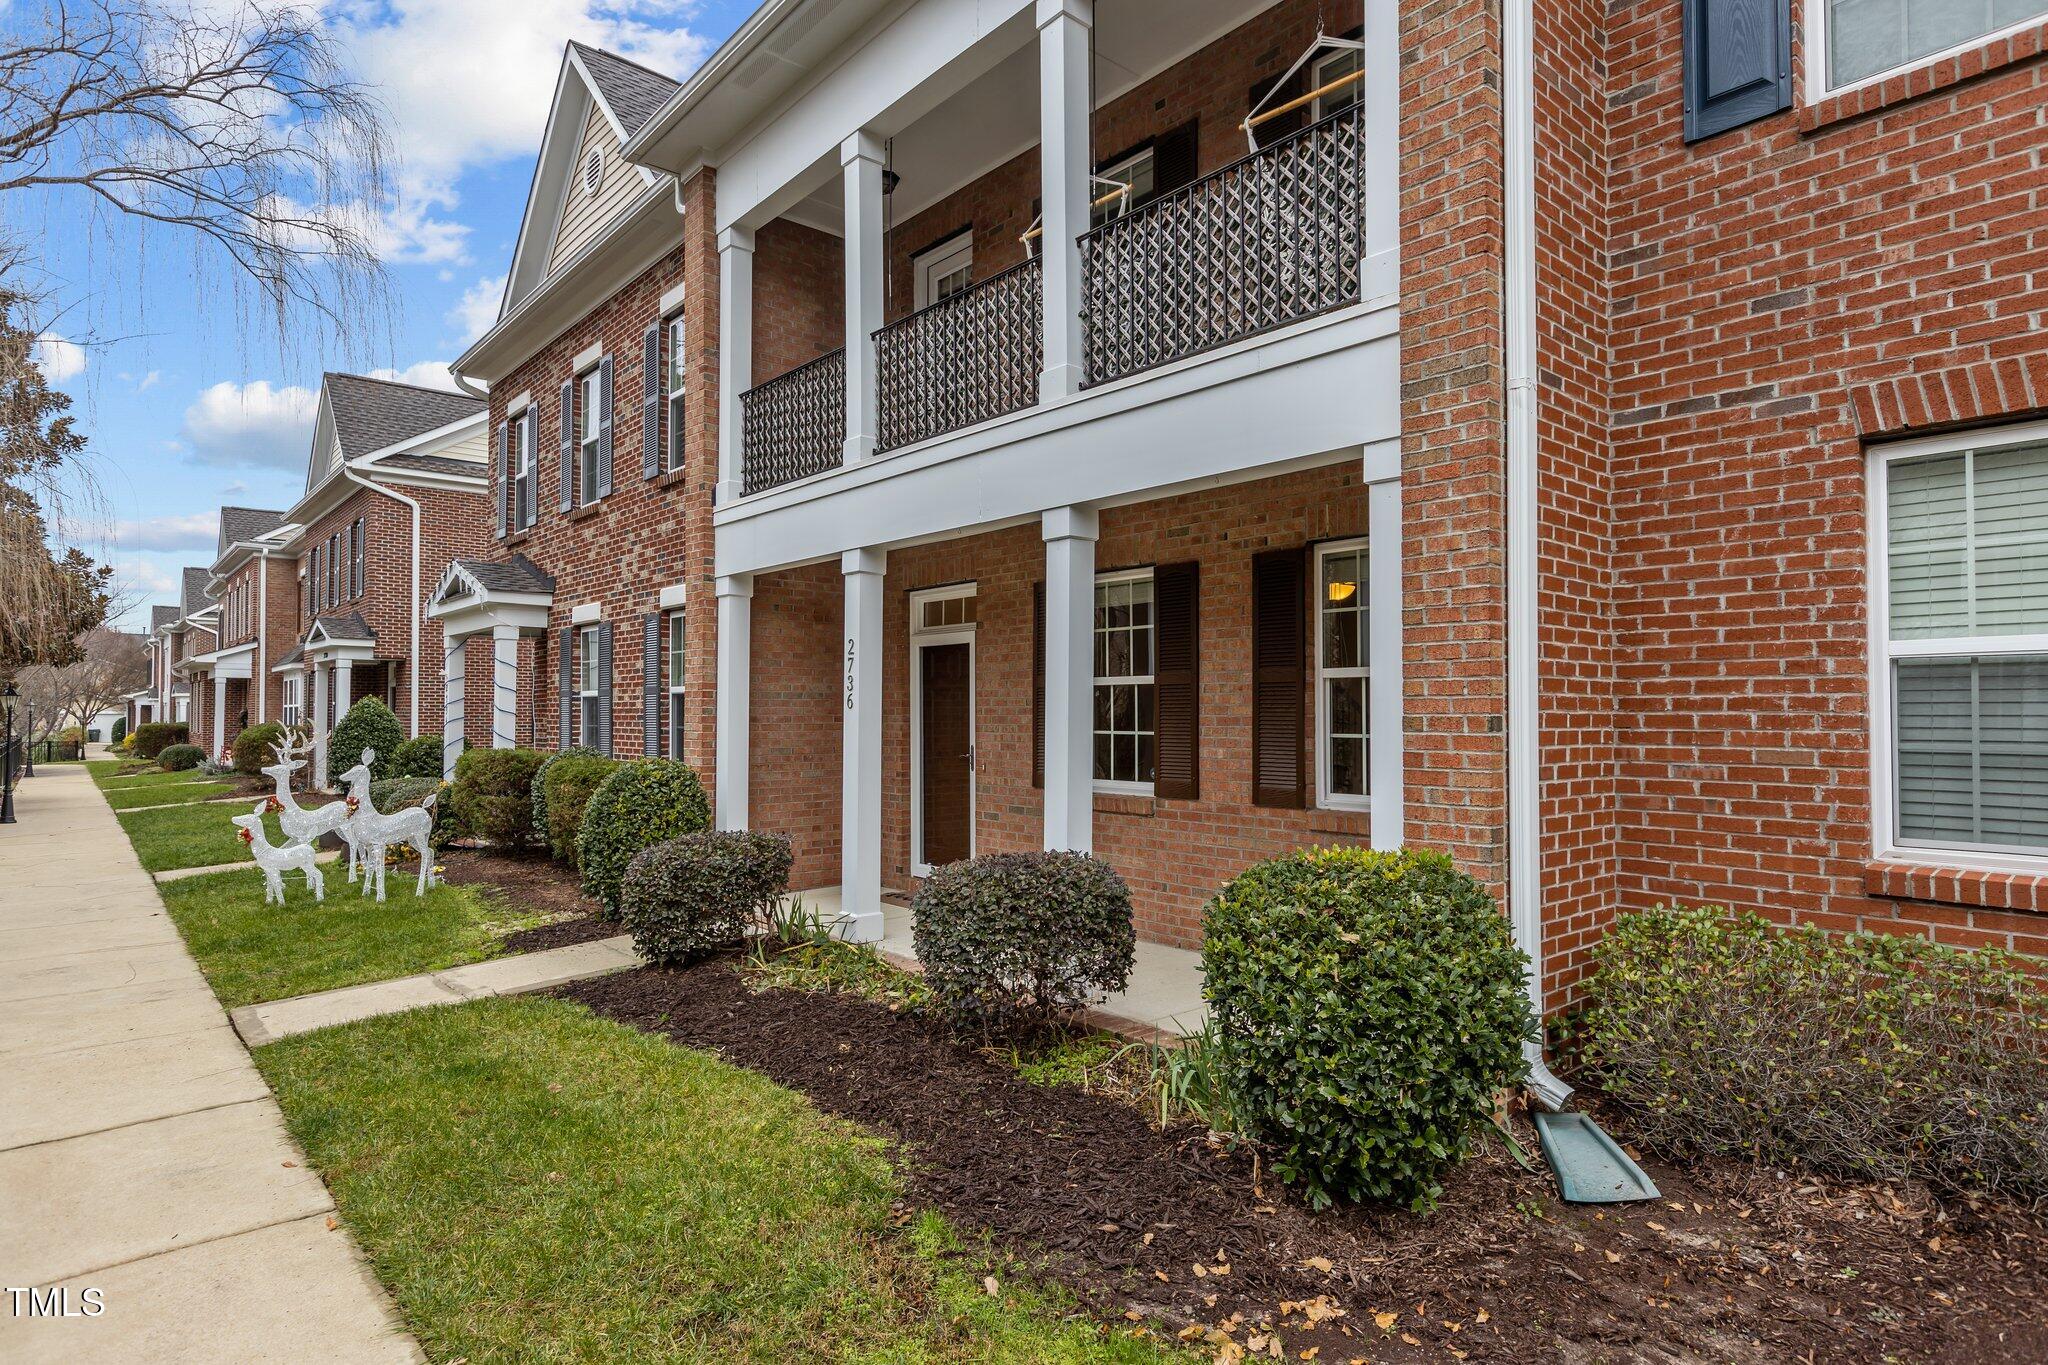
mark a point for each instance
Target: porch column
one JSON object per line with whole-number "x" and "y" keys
{"x": 344, "y": 688}
{"x": 735, "y": 668}
{"x": 454, "y": 674}
{"x": 860, "y": 160}
{"x": 504, "y": 687}
{"x": 1383, "y": 616}
{"x": 1064, "y": 165}
{"x": 860, "y": 791}
{"x": 735, "y": 355}
{"x": 318, "y": 673}
{"x": 220, "y": 712}
{"x": 1380, "y": 274}
{"x": 1070, "y": 534}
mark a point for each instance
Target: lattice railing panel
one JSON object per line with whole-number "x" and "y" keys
{"x": 1270, "y": 239}
{"x": 962, "y": 360}
{"x": 794, "y": 425}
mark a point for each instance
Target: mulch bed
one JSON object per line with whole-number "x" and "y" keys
{"x": 537, "y": 882}
{"x": 1733, "y": 1263}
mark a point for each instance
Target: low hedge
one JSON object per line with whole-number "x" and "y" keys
{"x": 398, "y": 793}
{"x": 419, "y": 756}
{"x": 540, "y": 781}
{"x": 178, "y": 758}
{"x": 153, "y": 737}
{"x": 686, "y": 897}
{"x": 255, "y": 748}
{"x": 561, "y": 789}
{"x": 492, "y": 798}
{"x": 1370, "y": 1012}
{"x": 1014, "y": 940}
{"x": 1862, "y": 1054}
{"x": 643, "y": 802}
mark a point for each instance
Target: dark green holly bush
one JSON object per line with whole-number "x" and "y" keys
{"x": 369, "y": 724}
{"x": 1371, "y": 1011}
{"x": 253, "y": 749}
{"x": 1013, "y": 941}
{"x": 419, "y": 756}
{"x": 1862, "y": 1054}
{"x": 561, "y": 790}
{"x": 642, "y": 802}
{"x": 540, "y": 783}
{"x": 492, "y": 798}
{"x": 176, "y": 758}
{"x": 152, "y": 737}
{"x": 686, "y": 897}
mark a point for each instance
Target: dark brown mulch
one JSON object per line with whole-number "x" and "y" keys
{"x": 1731, "y": 1264}
{"x": 534, "y": 881}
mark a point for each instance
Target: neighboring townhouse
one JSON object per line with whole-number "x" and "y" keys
{"x": 153, "y": 702}
{"x": 1597, "y": 442}
{"x": 254, "y": 582}
{"x": 395, "y": 488}
{"x": 190, "y": 639}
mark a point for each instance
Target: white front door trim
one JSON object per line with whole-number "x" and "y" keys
{"x": 920, "y": 637}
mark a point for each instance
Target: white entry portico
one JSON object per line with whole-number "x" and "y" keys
{"x": 507, "y": 601}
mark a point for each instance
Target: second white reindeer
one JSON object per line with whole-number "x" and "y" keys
{"x": 303, "y": 822}
{"x": 373, "y": 832}
{"x": 278, "y": 859}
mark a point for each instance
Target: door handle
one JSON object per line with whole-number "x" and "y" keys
{"x": 969, "y": 756}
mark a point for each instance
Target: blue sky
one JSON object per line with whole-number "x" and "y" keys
{"x": 188, "y": 406}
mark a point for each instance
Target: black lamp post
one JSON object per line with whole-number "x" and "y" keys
{"x": 7, "y": 699}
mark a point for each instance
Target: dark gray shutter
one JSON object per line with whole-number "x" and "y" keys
{"x": 1279, "y": 678}
{"x": 650, "y": 685}
{"x": 1038, "y": 684}
{"x": 569, "y": 445}
{"x": 566, "y": 735}
{"x": 1174, "y": 159}
{"x": 604, "y": 427}
{"x": 1176, "y": 681}
{"x": 650, "y": 402}
{"x": 1738, "y": 63}
{"x": 504, "y": 475}
{"x": 1280, "y": 125}
{"x": 604, "y": 688}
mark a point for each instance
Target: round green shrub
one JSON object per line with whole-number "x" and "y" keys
{"x": 642, "y": 802}
{"x": 178, "y": 758}
{"x": 492, "y": 798}
{"x": 397, "y": 793}
{"x": 419, "y": 756}
{"x": 119, "y": 732}
{"x": 686, "y": 897}
{"x": 253, "y": 748}
{"x": 1370, "y": 1009}
{"x": 1014, "y": 940}
{"x": 561, "y": 790}
{"x": 151, "y": 738}
{"x": 540, "y": 783}
{"x": 369, "y": 724}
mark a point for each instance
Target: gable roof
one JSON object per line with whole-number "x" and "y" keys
{"x": 633, "y": 93}
{"x": 340, "y": 626}
{"x": 161, "y": 616}
{"x": 239, "y": 525}
{"x": 372, "y": 414}
{"x": 194, "y": 596}
{"x": 486, "y": 577}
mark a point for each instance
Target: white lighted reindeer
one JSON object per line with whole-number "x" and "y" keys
{"x": 301, "y": 822}
{"x": 278, "y": 859}
{"x": 373, "y": 832}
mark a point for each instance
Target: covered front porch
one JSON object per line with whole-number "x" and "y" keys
{"x": 504, "y": 603}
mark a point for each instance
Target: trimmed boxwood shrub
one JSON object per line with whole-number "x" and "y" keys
{"x": 1370, "y": 1010}
{"x": 369, "y": 724}
{"x": 1861, "y": 1054}
{"x": 561, "y": 790}
{"x": 540, "y": 783}
{"x": 178, "y": 758}
{"x": 1014, "y": 940}
{"x": 254, "y": 747}
{"x": 397, "y": 793}
{"x": 493, "y": 796}
{"x": 642, "y": 802}
{"x": 419, "y": 756}
{"x": 152, "y": 738}
{"x": 686, "y": 897}
{"x": 119, "y": 732}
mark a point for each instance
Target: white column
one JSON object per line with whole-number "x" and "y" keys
{"x": 1383, "y": 612}
{"x": 344, "y": 688}
{"x": 454, "y": 678}
{"x": 860, "y": 160}
{"x": 318, "y": 673}
{"x": 860, "y": 791}
{"x": 1070, "y": 534}
{"x": 735, "y": 354}
{"x": 1381, "y": 93}
{"x": 735, "y": 660}
{"x": 220, "y": 712}
{"x": 1064, "y": 164}
{"x": 504, "y": 687}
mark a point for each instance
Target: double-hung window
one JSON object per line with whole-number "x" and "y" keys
{"x": 676, "y": 676}
{"x": 291, "y": 700}
{"x": 1960, "y": 681}
{"x": 586, "y": 435}
{"x": 1137, "y": 173}
{"x": 1326, "y": 71}
{"x": 587, "y": 685}
{"x": 1125, "y": 728}
{"x": 519, "y": 458}
{"x": 1343, "y": 676}
{"x": 672, "y": 388}
{"x": 1866, "y": 40}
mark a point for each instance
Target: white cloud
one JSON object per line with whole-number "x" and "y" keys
{"x": 478, "y": 308}
{"x": 428, "y": 374}
{"x": 59, "y": 359}
{"x": 252, "y": 424}
{"x": 194, "y": 531}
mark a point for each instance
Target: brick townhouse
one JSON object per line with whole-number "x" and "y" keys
{"x": 161, "y": 698}
{"x": 188, "y": 638}
{"x": 251, "y": 583}
{"x": 1601, "y": 442}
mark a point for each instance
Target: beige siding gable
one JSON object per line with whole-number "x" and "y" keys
{"x": 584, "y": 212}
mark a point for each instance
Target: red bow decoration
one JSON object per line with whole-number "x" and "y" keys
{"x": 248, "y": 836}
{"x": 352, "y": 804}
{"x": 272, "y": 805}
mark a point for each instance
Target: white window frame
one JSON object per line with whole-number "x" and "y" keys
{"x": 587, "y": 685}
{"x": 674, "y": 330}
{"x": 1817, "y": 22}
{"x": 525, "y": 488}
{"x": 935, "y": 263}
{"x": 675, "y": 670}
{"x": 587, "y": 402}
{"x": 1123, "y": 203}
{"x": 289, "y": 698}
{"x": 1325, "y": 798}
{"x": 1883, "y": 652}
{"x": 1113, "y": 787}
{"x": 957, "y": 633}
{"x": 1319, "y": 76}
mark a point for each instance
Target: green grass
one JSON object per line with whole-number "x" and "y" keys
{"x": 252, "y": 952}
{"x": 190, "y": 836}
{"x": 170, "y": 793}
{"x": 537, "y": 1184}
{"x": 113, "y": 781}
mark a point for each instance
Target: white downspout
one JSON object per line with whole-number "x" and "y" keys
{"x": 1525, "y": 832}
{"x": 412, "y": 680}
{"x": 262, "y": 680}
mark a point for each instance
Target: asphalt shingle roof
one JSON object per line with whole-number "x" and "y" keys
{"x": 520, "y": 574}
{"x": 194, "y": 595}
{"x": 372, "y": 414}
{"x": 633, "y": 92}
{"x": 240, "y": 524}
{"x": 161, "y": 616}
{"x": 350, "y": 626}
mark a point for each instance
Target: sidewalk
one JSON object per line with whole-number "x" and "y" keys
{"x": 140, "y": 1153}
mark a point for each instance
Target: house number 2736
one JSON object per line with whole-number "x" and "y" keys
{"x": 850, "y": 652}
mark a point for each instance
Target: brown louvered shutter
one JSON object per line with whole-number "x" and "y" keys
{"x": 1038, "y": 684}
{"x": 1279, "y": 680}
{"x": 1294, "y": 120}
{"x": 1176, "y": 681}
{"x": 1175, "y": 159}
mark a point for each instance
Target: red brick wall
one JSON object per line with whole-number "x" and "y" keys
{"x": 799, "y": 297}
{"x": 795, "y": 729}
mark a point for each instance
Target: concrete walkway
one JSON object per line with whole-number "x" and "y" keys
{"x": 141, "y": 1154}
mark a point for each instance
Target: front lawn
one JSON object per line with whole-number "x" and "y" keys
{"x": 536, "y": 1184}
{"x": 190, "y": 836}
{"x": 253, "y": 952}
{"x": 134, "y": 797}
{"x": 110, "y": 777}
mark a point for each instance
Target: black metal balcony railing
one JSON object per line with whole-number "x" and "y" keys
{"x": 962, "y": 360}
{"x": 794, "y": 425}
{"x": 1270, "y": 239}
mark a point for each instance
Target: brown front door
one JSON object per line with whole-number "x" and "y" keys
{"x": 945, "y": 754}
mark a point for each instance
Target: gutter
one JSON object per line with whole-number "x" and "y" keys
{"x": 1525, "y": 829}
{"x": 413, "y": 680}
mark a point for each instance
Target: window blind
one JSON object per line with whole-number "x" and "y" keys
{"x": 1968, "y": 545}
{"x": 1973, "y": 751}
